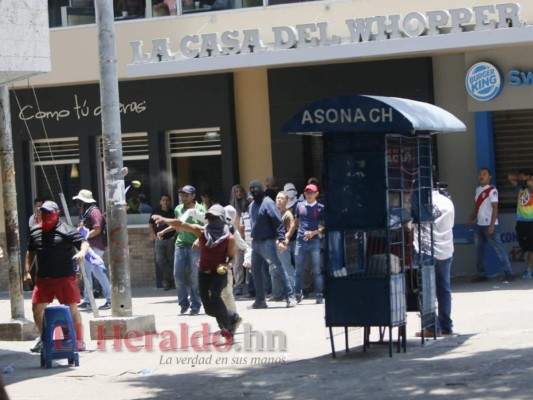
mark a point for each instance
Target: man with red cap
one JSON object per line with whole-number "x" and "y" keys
{"x": 308, "y": 218}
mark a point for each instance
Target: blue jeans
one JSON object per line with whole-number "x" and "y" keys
{"x": 93, "y": 270}
{"x": 266, "y": 251}
{"x": 444, "y": 293}
{"x": 305, "y": 248}
{"x": 185, "y": 258}
{"x": 164, "y": 260}
{"x": 277, "y": 286}
{"x": 481, "y": 238}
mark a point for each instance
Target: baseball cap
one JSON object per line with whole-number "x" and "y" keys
{"x": 311, "y": 188}
{"x": 49, "y": 206}
{"x": 231, "y": 213}
{"x": 187, "y": 189}
{"x": 289, "y": 187}
{"x": 216, "y": 210}
{"x": 85, "y": 195}
{"x": 256, "y": 183}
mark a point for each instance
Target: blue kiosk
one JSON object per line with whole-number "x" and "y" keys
{"x": 378, "y": 177}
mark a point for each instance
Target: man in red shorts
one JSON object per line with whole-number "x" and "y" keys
{"x": 57, "y": 247}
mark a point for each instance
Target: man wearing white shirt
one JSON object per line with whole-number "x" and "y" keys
{"x": 443, "y": 254}
{"x": 487, "y": 230}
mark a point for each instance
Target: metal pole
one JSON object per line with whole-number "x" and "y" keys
{"x": 121, "y": 305}
{"x": 10, "y": 207}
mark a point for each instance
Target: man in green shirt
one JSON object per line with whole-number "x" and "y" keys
{"x": 185, "y": 258}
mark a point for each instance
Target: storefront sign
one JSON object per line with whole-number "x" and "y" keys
{"x": 80, "y": 109}
{"x": 358, "y": 30}
{"x": 484, "y": 81}
{"x": 520, "y": 78}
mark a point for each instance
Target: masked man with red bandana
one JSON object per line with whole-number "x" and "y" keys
{"x": 57, "y": 247}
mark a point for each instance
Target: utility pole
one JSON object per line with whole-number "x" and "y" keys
{"x": 121, "y": 305}
{"x": 10, "y": 207}
{"x": 18, "y": 328}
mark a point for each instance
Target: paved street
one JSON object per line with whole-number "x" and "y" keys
{"x": 490, "y": 357}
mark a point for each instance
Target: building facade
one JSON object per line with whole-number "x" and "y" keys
{"x": 204, "y": 95}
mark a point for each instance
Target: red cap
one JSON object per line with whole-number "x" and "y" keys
{"x": 311, "y": 188}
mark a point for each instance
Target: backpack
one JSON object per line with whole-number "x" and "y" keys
{"x": 87, "y": 216}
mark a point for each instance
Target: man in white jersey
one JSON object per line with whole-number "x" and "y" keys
{"x": 487, "y": 229}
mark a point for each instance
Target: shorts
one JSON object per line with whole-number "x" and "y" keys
{"x": 524, "y": 234}
{"x": 64, "y": 289}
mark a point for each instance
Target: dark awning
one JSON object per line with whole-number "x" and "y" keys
{"x": 372, "y": 114}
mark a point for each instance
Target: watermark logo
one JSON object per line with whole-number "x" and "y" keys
{"x": 484, "y": 81}
{"x": 202, "y": 339}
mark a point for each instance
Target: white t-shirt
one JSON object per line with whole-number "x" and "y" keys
{"x": 442, "y": 229}
{"x": 484, "y": 214}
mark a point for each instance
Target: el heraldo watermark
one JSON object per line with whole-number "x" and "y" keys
{"x": 185, "y": 339}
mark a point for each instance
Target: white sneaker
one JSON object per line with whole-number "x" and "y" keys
{"x": 37, "y": 345}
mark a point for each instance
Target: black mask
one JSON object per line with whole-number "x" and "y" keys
{"x": 257, "y": 194}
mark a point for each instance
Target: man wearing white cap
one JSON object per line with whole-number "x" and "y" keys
{"x": 92, "y": 219}
{"x": 217, "y": 248}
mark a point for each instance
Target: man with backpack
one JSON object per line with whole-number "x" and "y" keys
{"x": 92, "y": 219}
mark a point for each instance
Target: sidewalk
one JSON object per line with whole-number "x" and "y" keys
{"x": 490, "y": 357}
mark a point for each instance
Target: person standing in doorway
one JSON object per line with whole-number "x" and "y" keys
{"x": 56, "y": 246}
{"x": 487, "y": 228}
{"x": 523, "y": 182}
{"x": 35, "y": 218}
{"x": 164, "y": 246}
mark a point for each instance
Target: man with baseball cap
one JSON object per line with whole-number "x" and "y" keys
{"x": 308, "y": 219}
{"x": 268, "y": 234}
{"x": 217, "y": 248}
{"x": 56, "y": 246}
{"x": 92, "y": 223}
{"x": 185, "y": 257}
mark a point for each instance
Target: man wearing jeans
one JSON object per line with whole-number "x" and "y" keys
{"x": 185, "y": 258}
{"x": 92, "y": 219}
{"x": 164, "y": 247}
{"x": 443, "y": 254}
{"x": 268, "y": 234}
{"x": 309, "y": 214}
{"x": 486, "y": 231}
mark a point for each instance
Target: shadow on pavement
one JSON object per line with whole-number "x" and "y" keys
{"x": 435, "y": 370}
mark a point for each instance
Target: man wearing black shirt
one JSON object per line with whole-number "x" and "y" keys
{"x": 164, "y": 247}
{"x": 57, "y": 246}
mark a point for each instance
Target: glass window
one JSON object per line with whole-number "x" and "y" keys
{"x": 56, "y": 170}
{"x": 135, "y": 158}
{"x": 195, "y": 159}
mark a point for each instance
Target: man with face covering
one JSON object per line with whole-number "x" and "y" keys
{"x": 268, "y": 234}
{"x": 217, "y": 248}
{"x": 56, "y": 246}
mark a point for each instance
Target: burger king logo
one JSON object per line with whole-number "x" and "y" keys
{"x": 484, "y": 81}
